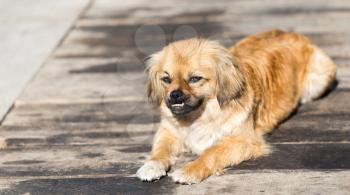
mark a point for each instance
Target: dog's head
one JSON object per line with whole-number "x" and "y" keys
{"x": 186, "y": 74}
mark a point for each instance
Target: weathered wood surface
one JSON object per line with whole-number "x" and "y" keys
{"x": 83, "y": 126}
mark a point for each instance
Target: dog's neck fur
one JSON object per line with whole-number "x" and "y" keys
{"x": 206, "y": 126}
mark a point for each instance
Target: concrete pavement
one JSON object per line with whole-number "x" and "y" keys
{"x": 29, "y": 32}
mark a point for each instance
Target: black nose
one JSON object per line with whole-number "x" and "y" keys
{"x": 176, "y": 94}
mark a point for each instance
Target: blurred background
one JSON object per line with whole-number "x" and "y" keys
{"x": 119, "y": 34}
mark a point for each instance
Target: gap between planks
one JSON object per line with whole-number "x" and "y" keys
{"x": 309, "y": 142}
{"x": 64, "y": 146}
{"x": 83, "y": 176}
{"x": 80, "y": 101}
{"x": 87, "y": 176}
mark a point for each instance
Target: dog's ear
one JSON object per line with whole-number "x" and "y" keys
{"x": 229, "y": 78}
{"x": 155, "y": 91}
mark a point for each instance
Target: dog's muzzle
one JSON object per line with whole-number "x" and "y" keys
{"x": 180, "y": 104}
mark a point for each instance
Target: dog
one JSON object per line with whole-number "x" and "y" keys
{"x": 218, "y": 103}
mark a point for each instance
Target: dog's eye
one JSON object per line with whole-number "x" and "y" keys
{"x": 195, "y": 79}
{"x": 166, "y": 79}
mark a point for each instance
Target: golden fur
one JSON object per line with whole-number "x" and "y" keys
{"x": 246, "y": 91}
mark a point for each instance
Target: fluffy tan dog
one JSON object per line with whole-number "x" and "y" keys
{"x": 218, "y": 103}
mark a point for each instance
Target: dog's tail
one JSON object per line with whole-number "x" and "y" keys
{"x": 320, "y": 75}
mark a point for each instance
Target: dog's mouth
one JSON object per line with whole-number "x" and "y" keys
{"x": 184, "y": 107}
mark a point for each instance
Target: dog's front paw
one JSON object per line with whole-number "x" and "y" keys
{"x": 180, "y": 176}
{"x": 151, "y": 170}
{"x": 194, "y": 172}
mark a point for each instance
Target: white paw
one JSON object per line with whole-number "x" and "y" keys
{"x": 180, "y": 176}
{"x": 150, "y": 171}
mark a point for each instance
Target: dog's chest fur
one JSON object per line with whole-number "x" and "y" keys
{"x": 210, "y": 127}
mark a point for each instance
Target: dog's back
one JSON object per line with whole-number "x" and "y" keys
{"x": 284, "y": 68}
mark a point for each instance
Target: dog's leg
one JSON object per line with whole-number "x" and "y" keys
{"x": 165, "y": 147}
{"x": 229, "y": 151}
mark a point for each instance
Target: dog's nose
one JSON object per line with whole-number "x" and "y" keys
{"x": 176, "y": 94}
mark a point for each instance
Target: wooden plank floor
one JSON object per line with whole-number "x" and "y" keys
{"x": 82, "y": 125}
